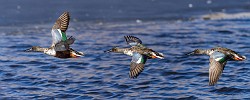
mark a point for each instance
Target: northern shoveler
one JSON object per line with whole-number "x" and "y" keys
{"x": 60, "y": 43}
{"x": 139, "y": 54}
{"x": 218, "y": 59}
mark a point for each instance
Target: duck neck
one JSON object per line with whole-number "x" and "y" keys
{"x": 206, "y": 52}
{"x": 119, "y": 50}
{"x": 124, "y": 51}
{"x": 40, "y": 49}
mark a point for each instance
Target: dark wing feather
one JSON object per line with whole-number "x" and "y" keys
{"x": 62, "y": 22}
{"x": 215, "y": 70}
{"x": 135, "y": 69}
{"x": 133, "y": 41}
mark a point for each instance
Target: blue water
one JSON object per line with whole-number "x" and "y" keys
{"x": 99, "y": 75}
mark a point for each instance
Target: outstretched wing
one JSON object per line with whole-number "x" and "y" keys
{"x": 137, "y": 65}
{"x": 133, "y": 41}
{"x": 59, "y": 28}
{"x": 62, "y": 22}
{"x": 217, "y": 64}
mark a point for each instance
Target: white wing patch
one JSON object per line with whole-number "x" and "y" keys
{"x": 217, "y": 55}
{"x": 139, "y": 60}
{"x": 218, "y": 59}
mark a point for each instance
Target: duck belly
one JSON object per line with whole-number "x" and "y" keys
{"x": 63, "y": 54}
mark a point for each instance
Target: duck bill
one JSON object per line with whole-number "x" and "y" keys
{"x": 239, "y": 58}
{"x": 190, "y": 53}
{"x": 28, "y": 50}
{"x": 108, "y": 51}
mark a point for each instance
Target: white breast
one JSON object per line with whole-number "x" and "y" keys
{"x": 128, "y": 52}
{"x": 217, "y": 55}
{"x": 51, "y": 52}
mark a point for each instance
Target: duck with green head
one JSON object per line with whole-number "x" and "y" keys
{"x": 218, "y": 59}
{"x": 60, "y": 43}
{"x": 139, "y": 54}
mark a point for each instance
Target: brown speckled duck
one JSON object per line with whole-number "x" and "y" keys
{"x": 61, "y": 44}
{"x": 139, "y": 54}
{"x": 218, "y": 59}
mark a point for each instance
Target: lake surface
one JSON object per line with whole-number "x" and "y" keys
{"x": 99, "y": 75}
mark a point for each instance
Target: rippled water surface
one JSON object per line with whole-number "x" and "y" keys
{"x": 99, "y": 75}
{"x": 173, "y": 27}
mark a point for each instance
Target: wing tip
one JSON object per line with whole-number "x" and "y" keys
{"x": 133, "y": 77}
{"x": 136, "y": 70}
{"x": 212, "y": 83}
{"x": 66, "y": 13}
{"x": 130, "y": 38}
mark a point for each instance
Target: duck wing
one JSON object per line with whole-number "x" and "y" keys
{"x": 217, "y": 64}
{"x": 133, "y": 41}
{"x": 137, "y": 65}
{"x": 59, "y": 28}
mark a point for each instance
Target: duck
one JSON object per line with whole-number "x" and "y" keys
{"x": 139, "y": 53}
{"x": 60, "y": 46}
{"x": 218, "y": 59}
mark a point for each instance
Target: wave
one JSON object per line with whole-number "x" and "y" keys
{"x": 221, "y": 16}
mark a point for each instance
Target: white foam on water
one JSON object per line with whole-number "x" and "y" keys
{"x": 221, "y": 16}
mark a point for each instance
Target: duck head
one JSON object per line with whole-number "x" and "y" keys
{"x": 200, "y": 51}
{"x": 114, "y": 49}
{"x": 35, "y": 49}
